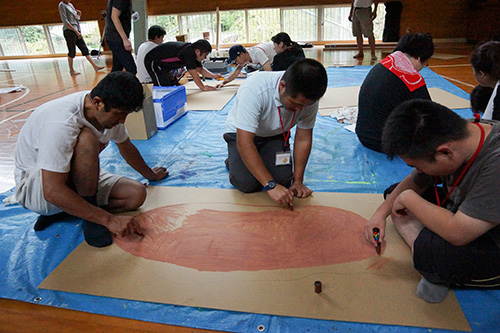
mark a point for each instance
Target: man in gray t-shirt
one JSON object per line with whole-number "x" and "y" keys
{"x": 448, "y": 209}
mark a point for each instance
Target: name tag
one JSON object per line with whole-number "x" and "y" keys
{"x": 283, "y": 158}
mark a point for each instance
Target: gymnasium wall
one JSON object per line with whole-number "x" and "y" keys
{"x": 443, "y": 18}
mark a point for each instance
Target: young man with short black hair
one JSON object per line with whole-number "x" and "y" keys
{"x": 166, "y": 63}
{"x": 453, "y": 230}
{"x": 267, "y": 106}
{"x": 57, "y": 160}
{"x": 155, "y": 38}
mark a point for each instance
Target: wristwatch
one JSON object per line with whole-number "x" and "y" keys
{"x": 270, "y": 185}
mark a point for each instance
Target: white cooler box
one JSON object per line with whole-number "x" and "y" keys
{"x": 169, "y": 104}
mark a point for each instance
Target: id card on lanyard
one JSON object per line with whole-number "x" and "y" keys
{"x": 284, "y": 157}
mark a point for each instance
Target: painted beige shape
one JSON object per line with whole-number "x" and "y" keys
{"x": 448, "y": 99}
{"x": 235, "y": 84}
{"x": 198, "y": 100}
{"x": 348, "y": 96}
{"x": 338, "y": 97}
{"x": 447, "y": 56}
{"x": 214, "y": 100}
{"x": 379, "y": 289}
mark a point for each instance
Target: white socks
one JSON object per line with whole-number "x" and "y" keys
{"x": 431, "y": 292}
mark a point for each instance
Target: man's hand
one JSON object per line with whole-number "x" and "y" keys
{"x": 350, "y": 16}
{"x": 375, "y": 222}
{"x": 159, "y": 173}
{"x": 281, "y": 195}
{"x": 220, "y": 85}
{"x": 217, "y": 76}
{"x": 300, "y": 190}
{"x": 208, "y": 88}
{"x": 398, "y": 208}
{"x": 127, "y": 45}
{"x": 124, "y": 225}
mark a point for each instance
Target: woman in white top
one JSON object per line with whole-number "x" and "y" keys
{"x": 70, "y": 17}
{"x": 485, "y": 61}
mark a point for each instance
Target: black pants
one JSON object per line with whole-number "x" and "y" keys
{"x": 162, "y": 74}
{"x": 476, "y": 264}
{"x": 122, "y": 59}
{"x": 267, "y": 147}
{"x": 73, "y": 41}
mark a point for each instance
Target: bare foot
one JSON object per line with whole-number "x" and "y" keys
{"x": 359, "y": 55}
{"x": 74, "y": 73}
{"x": 98, "y": 68}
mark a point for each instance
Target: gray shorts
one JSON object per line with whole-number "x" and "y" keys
{"x": 362, "y": 22}
{"x": 29, "y": 192}
{"x": 242, "y": 178}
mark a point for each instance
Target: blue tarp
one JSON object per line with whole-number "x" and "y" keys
{"x": 193, "y": 151}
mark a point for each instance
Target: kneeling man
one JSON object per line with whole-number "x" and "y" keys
{"x": 57, "y": 160}
{"x": 267, "y": 106}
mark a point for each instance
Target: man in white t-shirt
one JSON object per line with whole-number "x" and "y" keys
{"x": 257, "y": 130}
{"x": 258, "y": 57}
{"x": 155, "y": 38}
{"x": 57, "y": 160}
{"x": 256, "y": 54}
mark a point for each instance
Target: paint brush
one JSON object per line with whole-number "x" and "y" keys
{"x": 376, "y": 236}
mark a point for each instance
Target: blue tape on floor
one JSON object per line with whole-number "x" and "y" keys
{"x": 193, "y": 151}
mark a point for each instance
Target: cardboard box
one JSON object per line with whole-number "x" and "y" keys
{"x": 141, "y": 125}
{"x": 181, "y": 38}
{"x": 169, "y": 104}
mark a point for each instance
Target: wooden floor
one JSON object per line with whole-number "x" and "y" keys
{"x": 49, "y": 78}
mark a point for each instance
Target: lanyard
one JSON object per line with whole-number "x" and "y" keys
{"x": 464, "y": 171}
{"x": 287, "y": 135}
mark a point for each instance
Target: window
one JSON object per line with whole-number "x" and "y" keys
{"x": 196, "y": 25}
{"x": 232, "y": 27}
{"x": 263, "y": 24}
{"x": 168, "y": 22}
{"x": 44, "y": 39}
{"x": 35, "y": 39}
{"x": 57, "y": 37}
{"x": 91, "y": 34}
{"x": 301, "y": 24}
{"x": 12, "y": 42}
{"x": 336, "y": 24}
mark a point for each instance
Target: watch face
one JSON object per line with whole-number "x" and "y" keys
{"x": 271, "y": 184}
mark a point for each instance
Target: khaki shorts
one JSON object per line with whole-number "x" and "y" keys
{"x": 29, "y": 192}
{"x": 362, "y": 22}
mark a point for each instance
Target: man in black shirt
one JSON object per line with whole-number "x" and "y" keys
{"x": 166, "y": 62}
{"x": 117, "y": 32}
